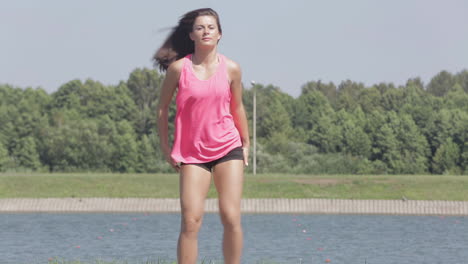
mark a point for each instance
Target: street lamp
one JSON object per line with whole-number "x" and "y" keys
{"x": 254, "y": 128}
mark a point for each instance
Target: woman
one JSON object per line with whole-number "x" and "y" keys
{"x": 211, "y": 131}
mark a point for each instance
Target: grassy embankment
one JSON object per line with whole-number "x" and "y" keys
{"x": 415, "y": 187}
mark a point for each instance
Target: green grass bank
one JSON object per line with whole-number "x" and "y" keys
{"x": 111, "y": 185}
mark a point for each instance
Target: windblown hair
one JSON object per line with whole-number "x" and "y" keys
{"x": 178, "y": 44}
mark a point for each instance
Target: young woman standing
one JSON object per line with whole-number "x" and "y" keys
{"x": 211, "y": 131}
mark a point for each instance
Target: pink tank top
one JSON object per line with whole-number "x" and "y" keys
{"x": 204, "y": 127}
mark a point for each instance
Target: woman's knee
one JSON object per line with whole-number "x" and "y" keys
{"x": 231, "y": 218}
{"x": 191, "y": 224}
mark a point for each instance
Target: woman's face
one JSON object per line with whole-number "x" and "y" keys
{"x": 205, "y": 31}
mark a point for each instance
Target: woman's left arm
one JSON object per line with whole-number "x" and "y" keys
{"x": 237, "y": 107}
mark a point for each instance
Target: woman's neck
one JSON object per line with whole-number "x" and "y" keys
{"x": 204, "y": 56}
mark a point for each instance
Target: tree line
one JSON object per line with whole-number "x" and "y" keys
{"x": 345, "y": 128}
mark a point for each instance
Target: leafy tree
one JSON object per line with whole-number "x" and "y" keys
{"x": 25, "y": 153}
{"x": 149, "y": 157}
{"x": 309, "y": 108}
{"x": 415, "y": 82}
{"x": 441, "y": 83}
{"x": 446, "y": 158}
{"x": 462, "y": 79}
{"x": 4, "y": 158}
{"x": 355, "y": 140}
{"x": 144, "y": 85}
{"x": 447, "y": 123}
{"x": 369, "y": 100}
{"x": 464, "y": 158}
{"x": 125, "y": 157}
{"x": 9, "y": 95}
{"x": 326, "y": 135}
{"x": 386, "y": 148}
{"x": 384, "y": 87}
{"x": 92, "y": 99}
{"x": 314, "y": 120}
{"x": 348, "y": 94}
{"x": 67, "y": 96}
{"x": 413, "y": 145}
{"x": 268, "y": 162}
{"x": 419, "y": 104}
{"x": 8, "y": 134}
{"x": 400, "y": 145}
{"x": 456, "y": 98}
{"x": 392, "y": 99}
{"x": 375, "y": 121}
{"x": 359, "y": 117}
{"x": 76, "y": 145}
{"x": 272, "y": 117}
{"x": 328, "y": 90}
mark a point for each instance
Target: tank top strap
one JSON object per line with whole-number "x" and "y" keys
{"x": 223, "y": 66}
{"x": 187, "y": 61}
{"x": 222, "y": 62}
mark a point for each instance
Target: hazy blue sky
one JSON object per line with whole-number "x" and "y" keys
{"x": 285, "y": 43}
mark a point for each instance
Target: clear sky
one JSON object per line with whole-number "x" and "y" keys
{"x": 285, "y": 43}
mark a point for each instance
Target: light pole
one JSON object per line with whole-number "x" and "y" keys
{"x": 254, "y": 128}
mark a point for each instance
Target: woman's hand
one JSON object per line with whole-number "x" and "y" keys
{"x": 245, "y": 150}
{"x": 174, "y": 164}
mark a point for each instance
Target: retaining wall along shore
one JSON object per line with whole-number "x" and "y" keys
{"x": 310, "y": 206}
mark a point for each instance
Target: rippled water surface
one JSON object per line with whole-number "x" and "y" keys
{"x": 277, "y": 238}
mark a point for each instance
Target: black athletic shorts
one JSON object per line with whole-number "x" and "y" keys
{"x": 235, "y": 154}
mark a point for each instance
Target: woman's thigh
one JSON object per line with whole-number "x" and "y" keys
{"x": 229, "y": 178}
{"x": 193, "y": 186}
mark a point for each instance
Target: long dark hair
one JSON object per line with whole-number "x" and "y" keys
{"x": 178, "y": 44}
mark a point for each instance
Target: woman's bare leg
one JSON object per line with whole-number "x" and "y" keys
{"x": 194, "y": 185}
{"x": 228, "y": 178}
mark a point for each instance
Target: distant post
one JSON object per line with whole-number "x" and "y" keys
{"x": 254, "y": 128}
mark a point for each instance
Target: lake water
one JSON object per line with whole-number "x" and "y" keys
{"x": 278, "y": 238}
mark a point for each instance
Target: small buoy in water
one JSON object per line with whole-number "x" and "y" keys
{"x": 327, "y": 260}
{"x": 78, "y": 247}
{"x": 99, "y": 237}
{"x": 320, "y": 249}
{"x": 111, "y": 230}
{"x": 304, "y": 231}
{"x": 309, "y": 238}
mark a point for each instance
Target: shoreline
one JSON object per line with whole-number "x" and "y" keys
{"x": 259, "y": 206}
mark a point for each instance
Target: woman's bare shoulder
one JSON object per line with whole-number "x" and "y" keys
{"x": 176, "y": 66}
{"x": 234, "y": 70}
{"x": 233, "y": 66}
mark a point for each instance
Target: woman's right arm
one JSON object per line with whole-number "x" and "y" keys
{"x": 167, "y": 92}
